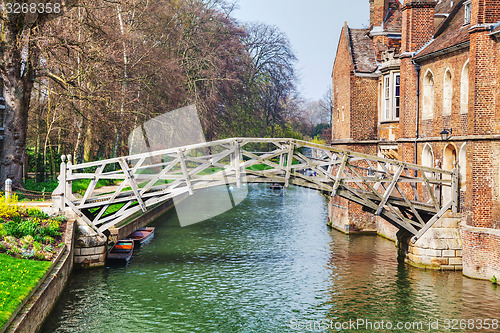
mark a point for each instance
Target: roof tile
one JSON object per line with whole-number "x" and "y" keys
{"x": 363, "y": 51}
{"x": 451, "y": 32}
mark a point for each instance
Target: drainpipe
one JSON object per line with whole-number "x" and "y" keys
{"x": 417, "y": 132}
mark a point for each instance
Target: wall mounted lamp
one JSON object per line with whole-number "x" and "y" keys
{"x": 446, "y": 134}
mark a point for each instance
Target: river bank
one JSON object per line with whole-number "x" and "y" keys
{"x": 262, "y": 266}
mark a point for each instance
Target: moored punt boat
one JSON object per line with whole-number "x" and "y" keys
{"x": 121, "y": 252}
{"x": 141, "y": 235}
{"x": 276, "y": 186}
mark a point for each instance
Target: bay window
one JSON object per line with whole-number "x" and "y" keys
{"x": 391, "y": 96}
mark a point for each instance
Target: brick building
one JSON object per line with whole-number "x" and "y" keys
{"x": 424, "y": 67}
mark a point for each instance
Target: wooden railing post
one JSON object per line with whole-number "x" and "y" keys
{"x": 438, "y": 188}
{"x": 62, "y": 182}
{"x": 8, "y": 189}
{"x": 69, "y": 183}
{"x": 455, "y": 191}
{"x": 289, "y": 162}
{"x": 237, "y": 166}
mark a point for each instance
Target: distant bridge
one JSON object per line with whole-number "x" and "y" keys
{"x": 409, "y": 196}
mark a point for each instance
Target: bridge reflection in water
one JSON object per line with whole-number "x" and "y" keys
{"x": 256, "y": 267}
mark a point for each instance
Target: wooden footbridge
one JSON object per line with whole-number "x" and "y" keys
{"x": 406, "y": 195}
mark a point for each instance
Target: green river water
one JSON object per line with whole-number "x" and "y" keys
{"x": 270, "y": 265}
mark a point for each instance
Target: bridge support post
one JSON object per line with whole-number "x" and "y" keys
{"x": 403, "y": 237}
{"x": 69, "y": 183}
{"x": 237, "y": 161}
{"x": 455, "y": 190}
{"x": 289, "y": 162}
{"x": 62, "y": 182}
{"x": 8, "y": 189}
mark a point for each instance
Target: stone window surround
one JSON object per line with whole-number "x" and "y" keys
{"x": 428, "y": 95}
{"x": 447, "y": 92}
{"x": 389, "y": 111}
{"x": 467, "y": 12}
{"x": 464, "y": 89}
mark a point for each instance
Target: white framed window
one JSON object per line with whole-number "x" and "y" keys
{"x": 467, "y": 10}
{"x": 387, "y": 97}
{"x": 391, "y": 95}
{"x": 397, "y": 91}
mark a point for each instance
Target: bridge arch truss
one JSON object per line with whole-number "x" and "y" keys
{"x": 405, "y": 194}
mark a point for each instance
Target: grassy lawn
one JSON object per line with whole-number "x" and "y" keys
{"x": 259, "y": 167}
{"x": 17, "y": 278}
{"x": 79, "y": 185}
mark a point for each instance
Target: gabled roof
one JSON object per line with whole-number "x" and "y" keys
{"x": 443, "y": 7}
{"x": 363, "y": 51}
{"x": 451, "y": 32}
{"x": 496, "y": 28}
{"x": 394, "y": 19}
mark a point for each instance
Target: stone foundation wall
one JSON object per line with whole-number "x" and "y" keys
{"x": 349, "y": 217}
{"x": 440, "y": 247}
{"x": 90, "y": 247}
{"x": 385, "y": 229}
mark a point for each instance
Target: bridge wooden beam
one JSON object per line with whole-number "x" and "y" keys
{"x": 358, "y": 177}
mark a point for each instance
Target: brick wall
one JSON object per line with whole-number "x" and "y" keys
{"x": 389, "y": 131}
{"x": 485, "y": 11}
{"x": 483, "y": 121}
{"x": 346, "y": 215}
{"x": 438, "y": 66}
{"x": 418, "y": 24}
{"x": 364, "y": 108}
{"x": 481, "y": 252}
{"x": 341, "y": 88}
{"x": 380, "y": 8}
{"x": 480, "y": 228}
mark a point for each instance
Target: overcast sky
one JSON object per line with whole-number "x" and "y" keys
{"x": 313, "y": 28}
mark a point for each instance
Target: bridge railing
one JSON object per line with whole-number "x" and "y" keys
{"x": 407, "y": 195}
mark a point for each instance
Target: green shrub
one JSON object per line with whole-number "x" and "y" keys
{"x": 27, "y": 239}
{"x": 50, "y": 231}
{"x": 36, "y": 212}
{"x": 12, "y": 229}
{"x": 15, "y": 249}
{"x": 3, "y": 233}
{"x": 37, "y": 246}
{"x": 59, "y": 218}
{"x": 48, "y": 240}
{"x": 29, "y": 227}
{"x": 8, "y": 208}
{"x": 10, "y": 240}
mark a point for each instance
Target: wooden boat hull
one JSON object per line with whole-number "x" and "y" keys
{"x": 121, "y": 252}
{"x": 141, "y": 235}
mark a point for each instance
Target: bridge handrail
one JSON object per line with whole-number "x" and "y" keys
{"x": 245, "y": 140}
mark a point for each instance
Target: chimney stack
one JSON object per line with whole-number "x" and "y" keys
{"x": 378, "y": 12}
{"x": 485, "y": 12}
{"x": 418, "y": 24}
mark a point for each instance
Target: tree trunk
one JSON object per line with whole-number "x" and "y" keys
{"x": 124, "y": 83}
{"x": 87, "y": 144}
{"x": 17, "y": 100}
{"x": 16, "y": 69}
